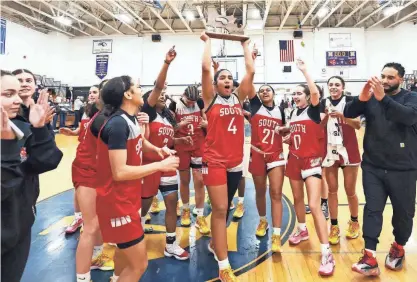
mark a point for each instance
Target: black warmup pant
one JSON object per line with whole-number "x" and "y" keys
{"x": 400, "y": 187}
{"x": 233, "y": 179}
{"x": 14, "y": 261}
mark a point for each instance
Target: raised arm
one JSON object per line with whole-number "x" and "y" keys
{"x": 207, "y": 77}
{"x": 246, "y": 86}
{"x": 314, "y": 91}
{"x": 160, "y": 81}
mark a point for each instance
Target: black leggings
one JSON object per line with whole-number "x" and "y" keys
{"x": 233, "y": 179}
{"x": 14, "y": 261}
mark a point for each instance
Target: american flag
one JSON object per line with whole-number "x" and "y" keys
{"x": 286, "y": 50}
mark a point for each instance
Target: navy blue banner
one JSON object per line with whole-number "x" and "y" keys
{"x": 102, "y": 65}
{"x": 3, "y": 37}
{"x": 341, "y": 58}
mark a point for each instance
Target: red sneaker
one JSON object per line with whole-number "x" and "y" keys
{"x": 367, "y": 265}
{"x": 76, "y": 223}
{"x": 395, "y": 257}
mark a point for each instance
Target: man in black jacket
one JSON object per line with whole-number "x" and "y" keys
{"x": 389, "y": 163}
{"x": 26, "y": 152}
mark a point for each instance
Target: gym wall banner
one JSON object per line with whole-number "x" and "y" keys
{"x": 3, "y": 37}
{"x": 102, "y": 46}
{"x": 102, "y": 65}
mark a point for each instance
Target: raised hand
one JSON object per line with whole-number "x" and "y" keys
{"x": 50, "y": 115}
{"x": 171, "y": 55}
{"x": 39, "y": 111}
{"x": 170, "y": 164}
{"x": 204, "y": 36}
{"x": 6, "y": 130}
{"x": 366, "y": 93}
{"x": 246, "y": 43}
{"x": 215, "y": 65}
{"x": 301, "y": 65}
{"x": 377, "y": 88}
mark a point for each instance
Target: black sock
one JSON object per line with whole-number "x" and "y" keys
{"x": 333, "y": 221}
{"x": 170, "y": 240}
{"x": 323, "y": 201}
{"x": 354, "y": 219}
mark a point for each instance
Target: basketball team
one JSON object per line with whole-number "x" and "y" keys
{"x": 131, "y": 145}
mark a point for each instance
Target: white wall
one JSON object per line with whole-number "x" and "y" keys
{"x": 72, "y": 61}
{"x": 44, "y": 53}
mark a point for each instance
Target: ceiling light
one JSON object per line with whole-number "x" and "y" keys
{"x": 390, "y": 11}
{"x": 255, "y": 14}
{"x": 125, "y": 18}
{"x": 63, "y": 20}
{"x": 189, "y": 16}
{"x": 323, "y": 12}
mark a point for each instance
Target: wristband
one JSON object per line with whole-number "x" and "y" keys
{"x": 165, "y": 61}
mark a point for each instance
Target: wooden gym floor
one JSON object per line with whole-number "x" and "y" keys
{"x": 52, "y": 256}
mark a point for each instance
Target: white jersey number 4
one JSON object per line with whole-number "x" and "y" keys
{"x": 232, "y": 127}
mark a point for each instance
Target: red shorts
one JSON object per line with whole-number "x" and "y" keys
{"x": 121, "y": 229}
{"x": 302, "y": 168}
{"x": 215, "y": 173}
{"x": 190, "y": 159}
{"x": 165, "y": 181}
{"x": 83, "y": 176}
{"x": 260, "y": 164}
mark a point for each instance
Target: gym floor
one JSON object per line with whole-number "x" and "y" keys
{"x": 52, "y": 256}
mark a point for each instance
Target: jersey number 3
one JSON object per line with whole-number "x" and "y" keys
{"x": 232, "y": 127}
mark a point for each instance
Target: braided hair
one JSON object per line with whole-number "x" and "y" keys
{"x": 191, "y": 92}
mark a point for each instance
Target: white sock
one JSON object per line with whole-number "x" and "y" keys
{"x": 223, "y": 264}
{"x": 84, "y": 277}
{"x": 143, "y": 221}
{"x": 114, "y": 278}
{"x": 200, "y": 212}
{"x": 262, "y": 217}
{"x": 277, "y": 231}
{"x": 240, "y": 201}
{"x": 186, "y": 206}
{"x": 302, "y": 226}
{"x": 325, "y": 249}
{"x": 78, "y": 215}
{"x": 97, "y": 251}
{"x": 372, "y": 251}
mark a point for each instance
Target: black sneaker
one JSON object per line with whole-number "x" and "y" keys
{"x": 325, "y": 210}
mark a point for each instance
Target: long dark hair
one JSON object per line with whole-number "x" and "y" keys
{"x": 166, "y": 113}
{"x": 91, "y": 109}
{"x": 113, "y": 92}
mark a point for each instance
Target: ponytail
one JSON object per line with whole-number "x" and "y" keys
{"x": 166, "y": 113}
{"x": 108, "y": 110}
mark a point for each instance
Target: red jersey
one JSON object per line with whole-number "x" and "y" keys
{"x": 161, "y": 133}
{"x": 225, "y": 131}
{"x": 83, "y": 127}
{"x": 119, "y": 199}
{"x": 263, "y": 124}
{"x": 182, "y": 112}
{"x": 306, "y": 135}
{"x": 85, "y": 157}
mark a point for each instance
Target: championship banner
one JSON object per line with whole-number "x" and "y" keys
{"x": 103, "y": 46}
{"x": 3, "y": 37}
{"x": 102, "y": 65}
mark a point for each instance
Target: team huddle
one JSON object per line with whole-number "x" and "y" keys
{"x": 132, "y": 145}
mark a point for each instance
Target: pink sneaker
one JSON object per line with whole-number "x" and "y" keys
{"x": 298, "y": 236}
{"x": 76, "y": 223}
{"x": 327, "y": 265}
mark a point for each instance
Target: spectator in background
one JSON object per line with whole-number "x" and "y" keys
{"x": 414, "y": 87}
{"x": 65, "y": 108}
{"x": 27, "y": 89}
{"x": 23, "y": 157}
{"x": 78, "y": 103}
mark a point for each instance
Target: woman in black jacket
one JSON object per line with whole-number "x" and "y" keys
{"x": 27, "y": 150}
